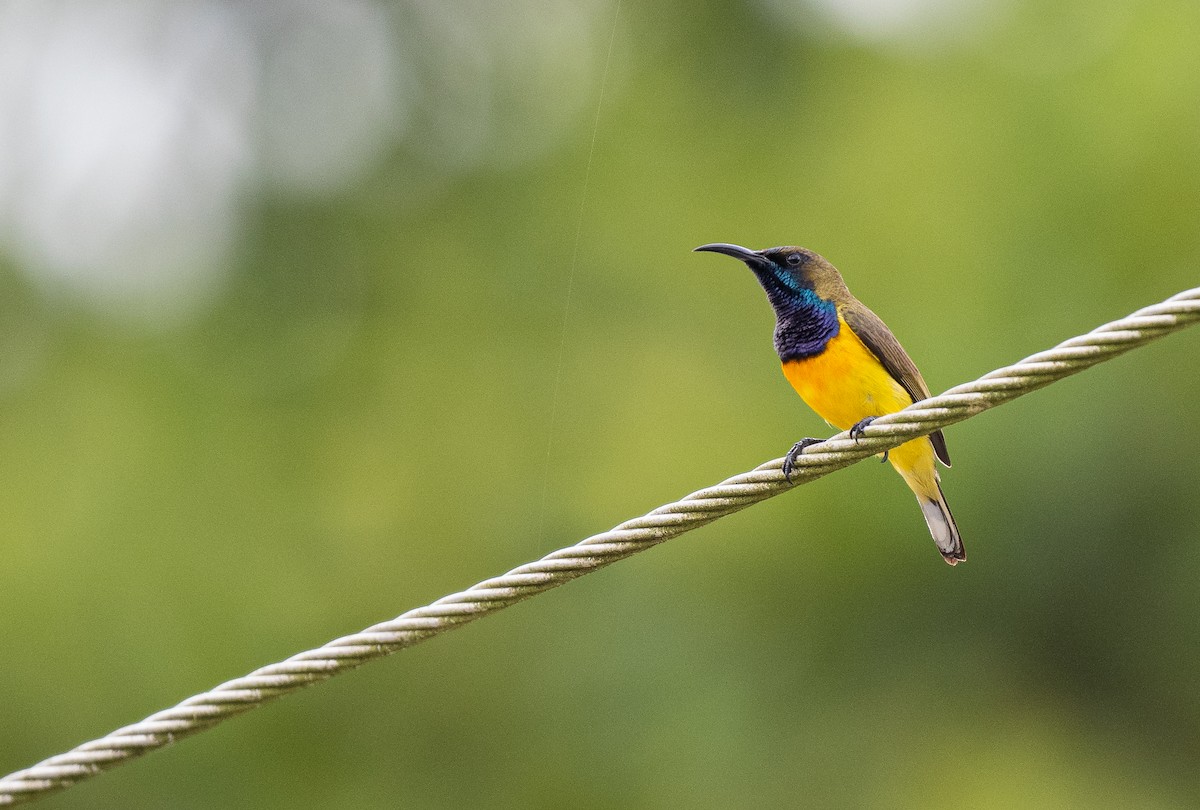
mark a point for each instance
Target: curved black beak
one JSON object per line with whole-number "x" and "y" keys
{"x": 746, "y": 255}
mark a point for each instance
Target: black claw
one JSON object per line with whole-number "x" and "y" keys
{"x": 789, "y": 461}
{"x": 858, "y": 430}
{"x": 885, "y": 452}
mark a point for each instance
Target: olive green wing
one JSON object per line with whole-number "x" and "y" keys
{"x": 883, "y": 344}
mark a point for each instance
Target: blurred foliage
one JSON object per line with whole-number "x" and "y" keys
{"x": 399, "y": 394}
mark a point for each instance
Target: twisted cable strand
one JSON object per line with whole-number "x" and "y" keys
{"x": 558, "y": 567}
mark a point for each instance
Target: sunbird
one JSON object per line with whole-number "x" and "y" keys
{"x": 847, "y": 366}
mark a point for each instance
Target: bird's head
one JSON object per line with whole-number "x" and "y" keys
{"x": 791, "y": 275}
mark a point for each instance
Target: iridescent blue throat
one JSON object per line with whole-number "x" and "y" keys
{"x": 804, "y": 322}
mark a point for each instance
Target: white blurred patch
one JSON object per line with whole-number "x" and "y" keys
{"x": 130, "y": 131}
{"x": 332, "y": 93}
{"x": 906, "y": 23}
{"x": 122, "y": 134}
{"x": 134, "y": 132}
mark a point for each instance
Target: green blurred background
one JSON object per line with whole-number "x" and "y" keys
{"x": 312, "y": 313}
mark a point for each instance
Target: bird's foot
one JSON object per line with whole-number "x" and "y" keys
{"x": 859, "y": 429}
{"x": 789, "y": 461}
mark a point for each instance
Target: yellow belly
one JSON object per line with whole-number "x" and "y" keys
{"x": 845, "y": 384}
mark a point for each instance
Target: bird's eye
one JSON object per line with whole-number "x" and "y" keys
{"x": 794, "y": 259}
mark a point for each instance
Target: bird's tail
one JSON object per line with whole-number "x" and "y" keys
{"x": 942, "y": 527}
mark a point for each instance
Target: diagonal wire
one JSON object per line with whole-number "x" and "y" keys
{"x": 312, "y": 666}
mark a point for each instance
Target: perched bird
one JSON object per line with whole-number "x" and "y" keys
{"x": 848, "y": 366}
